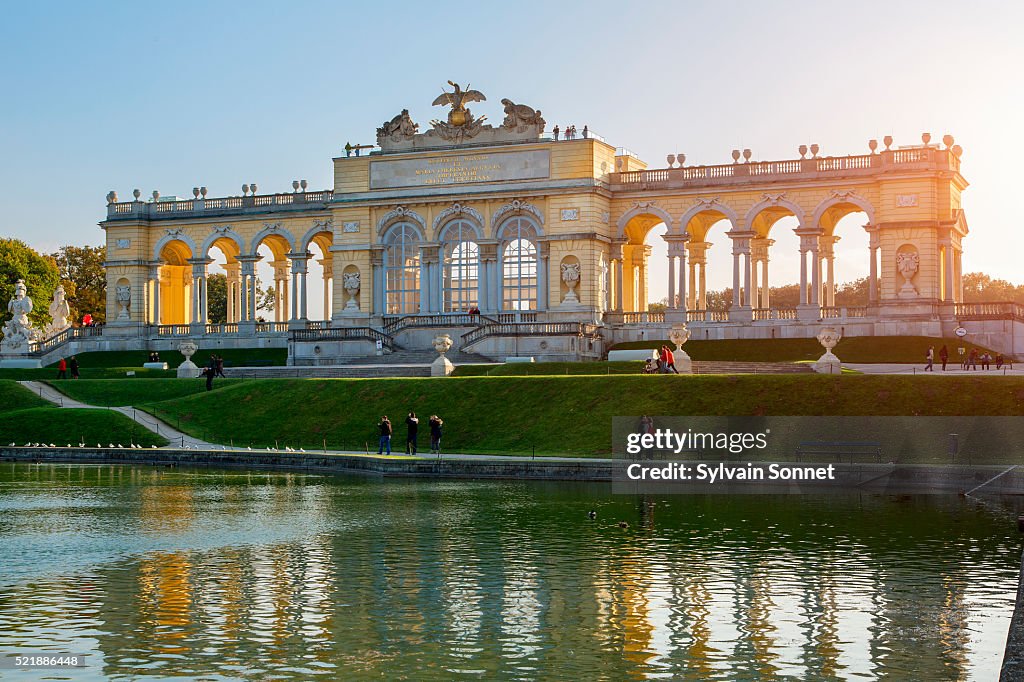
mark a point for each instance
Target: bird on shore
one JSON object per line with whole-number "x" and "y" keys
{"x": 11, "y": 445}
{"x": 592, "y": 514}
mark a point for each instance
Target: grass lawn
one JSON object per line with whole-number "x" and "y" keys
{"x": 552, "y": 414}
{"x": 899, "y": 349}
{"x": 25, "y": 417}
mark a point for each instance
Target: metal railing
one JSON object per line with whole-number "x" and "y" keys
{"x": 61, "y": 338}
{"x": 344, "y": 334}
{"x": 580, "y": 329}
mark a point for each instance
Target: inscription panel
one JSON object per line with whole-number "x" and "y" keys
{"x": 460, "y": 169}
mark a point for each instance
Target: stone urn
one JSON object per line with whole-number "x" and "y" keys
{"x": 352, "y": 286}
{"x": 828, "y": 363}
{"x": 571, "y": 277}
{"x": 188, "y": 369}
{"x": 442, "y": 367}
{"x": 679, "y": 335}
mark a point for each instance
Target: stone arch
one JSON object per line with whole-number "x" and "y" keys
{"x": 174, "y": 236}
{"x": 769, "y": 202}
{"x": 459, "y": 212}
{"x": 401, "y": 214}
{"x": 846, "y": 203}
{"x": 644, "y": 208}
{"x": 712, "y": 209}
{"x": 441, "y": 232}
{"x": 225, "y": 233}
{"x": 513, "y": 209}
{"x": 320, "y": 227}
{"x": 274, "y": 233}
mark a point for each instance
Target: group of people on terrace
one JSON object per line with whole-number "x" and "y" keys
{"x": 570, "y": 132}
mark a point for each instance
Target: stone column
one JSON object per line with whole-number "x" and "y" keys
{"x": 232, "y": 275}
{"x": 490, "y": 299}
{"x": 815, "y": 272}
{"x": 948, "y": 268}
{"x": 617, "y": 260}
{"x": 735, "y": 278}
{"x": 199, "y": 315}
{"x": 803, "y": 273}
{"x": 873, "y": 245}
{"x": 699, "y": 260}
{"x": 327, "y": 264}
{"x": 759, "y": 247}
{"x": 692, "y": 290}
{"x": 299, "y": 262}
{"x": 671, "y": 277}
{"x": 377, "y": 305}
{"x": 827, "y": 252}
{"x": 154, "y": 276}
{"x": 767, "y": 287}
{"x": 958, "y": 273}
{"x": 543, "y": 255}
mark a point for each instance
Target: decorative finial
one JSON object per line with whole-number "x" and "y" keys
{"x": 947, "y": 140}
{"x": 735, "y": 155}
{"x": 803, "y": 150}
{"x": 111, "y": 197}
{"x": 888, "y": 141}
{"x": 814, "y": 150}
{"x": 202, "y": 190}
{"x": 252, "y": 186}
{"x": 671, "y": 158}
{"x": 245, "y": 189}
{"x": 681, "y": 158}
{"x": 156, "y": 195}
{"x": 136, "y": 193}
{"x": 926, "y": 138}
{"x": 872, "y": 145}
{"x": 957, "y": 150}
{"x": 746, "y": 155}
{"x": 303, "y": 184}
{"x": 195, "y": 192}
{"x": 295, "y": 185}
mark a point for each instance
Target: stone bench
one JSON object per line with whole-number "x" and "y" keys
{"x": 519, "y": 359}
{"x": 631, "y": 355}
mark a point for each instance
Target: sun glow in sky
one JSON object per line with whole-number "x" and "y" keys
{"x": 169, "y": 97}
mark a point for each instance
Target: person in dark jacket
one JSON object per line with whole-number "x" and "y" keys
{"x": 413, "y": 426}
{"x": 435, "y": 434}
{"x": 385, "y": 435}
{"x": 944, "y": 357}
{"x": 73, "y": 366}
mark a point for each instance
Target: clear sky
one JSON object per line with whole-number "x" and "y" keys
{"x": 168, "y": 96}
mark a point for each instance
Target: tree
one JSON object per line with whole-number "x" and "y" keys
{"x": 265, "y": 298}
{"x": 20, "y": 261}
{"x": 980, "y": 288}
{"x": 217, "y": 297}
{"x": 84, "y": 279}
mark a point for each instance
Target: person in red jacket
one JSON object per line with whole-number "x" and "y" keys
{"x": 62, "y": 369}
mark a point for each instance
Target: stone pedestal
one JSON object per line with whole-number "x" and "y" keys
{"x": 188, "y": 370}
{"x": 828, "y": 364}
{"x": 441, "y": 367}
{"x": 679, "y": 335}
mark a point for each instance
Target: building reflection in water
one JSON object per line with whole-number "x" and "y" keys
{"x": 299, "y": 577}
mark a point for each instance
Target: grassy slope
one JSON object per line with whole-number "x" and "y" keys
{"x": 901, "y": 349}
{"x": 233, "y": 357}
{"x": 110, "y": 392}
{"x": 564, "y": 415}
{"x": 25, "y": 417}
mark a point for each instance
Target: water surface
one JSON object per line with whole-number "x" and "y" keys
{"x": 216, "y": 575}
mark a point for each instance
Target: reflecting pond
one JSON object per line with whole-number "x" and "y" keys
{"x": 210, "y": 574}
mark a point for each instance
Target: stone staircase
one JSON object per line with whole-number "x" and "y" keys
{"x": 725, "y": 367}
{"x": 416, "y": 357}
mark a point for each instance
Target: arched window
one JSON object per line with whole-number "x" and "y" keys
{"x": 402, "y": 270}
{"x": 461, "y": 284}
{"x": 518, "y": 237}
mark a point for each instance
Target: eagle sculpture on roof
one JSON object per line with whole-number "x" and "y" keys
{"x": 459, "y": 115}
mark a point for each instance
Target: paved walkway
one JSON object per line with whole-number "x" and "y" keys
{"x": 951, "y": 370}
{"x": 179, "y": 440}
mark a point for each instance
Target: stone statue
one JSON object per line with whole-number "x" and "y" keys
{"x": 679, "y": 334}
{"x": 571, "y": 277}
{"x": 459, "y": 115}
{"x": 442, "y": 366}
{"x": 124, "y": 300}
{"x": 519, "y": 117}
{"x": 399, "y": 128}
{"x": 18, "y": 331}
{"x": 352, "y": 283}
{"x": 907, "y": 263}
{"x": 188, "y": 369}
{"x": 60, "y": 312}
{"x": 828, "y": 363}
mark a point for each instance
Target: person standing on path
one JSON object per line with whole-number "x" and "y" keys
{"x": 669, "y": 358}
{"x": 73, "y": 366}
{"x": 220, "y": 366}
{"x": 62, "y": 369}
{"x": 930, "y": 359}
{"x": 944, "y": 356}
{"x": 972, "y": 359}
{"x": 209, "y": 373}
{"x": 435, "y": 434}
{"x": 412, "y": 429}
{"x": 385, "y": 435}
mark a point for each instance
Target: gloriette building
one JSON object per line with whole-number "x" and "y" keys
{"x": 545, "y": 237}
